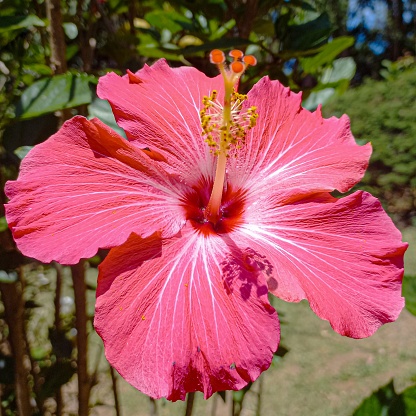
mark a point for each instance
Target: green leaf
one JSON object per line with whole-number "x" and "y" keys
{"x": 264, "y": 27}
{"x": 408, "y": 398}
{"x": 3, "y": 224}
{"x": 71, "y": 51}
{"x": 386, "y": 402}
{"x": 8, "y": 277}
{"x": 318, "y": 98}
{"x": 39, "y": 353}
{"x": 222, "y": 30}
{"x": 70, "y": 30}
{"x": 342, "y": 68}
{"x": 159, "y": 52}
{"x": 9, "y": 23}
{"x": 379, "y": 403}
{"x": 326, "y": 54}
{"x": 22, "y": 151}
{"x": 37, "y": 69}
{"x": 101, "y": 109}
{"x": 172, "y": 21}
{"x": 53, "y": 94}
{"x": 409, "y": 293}
{"x": 310, "y": 34}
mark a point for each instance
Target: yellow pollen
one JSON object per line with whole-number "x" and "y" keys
{"x": 219, "y": 135}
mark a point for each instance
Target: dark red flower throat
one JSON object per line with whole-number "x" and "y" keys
{"x": 231, "y": 209}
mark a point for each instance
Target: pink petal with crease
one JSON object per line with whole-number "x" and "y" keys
{"x": 162, "y": 112}
{"x": 185, "y": 314}
{"x": 292, "y": 151}
{"x": 86, "y": 188}
{"x": 345, "y": 257}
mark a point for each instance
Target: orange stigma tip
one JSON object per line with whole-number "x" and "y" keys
{"x": 250, "y": 60}
{"x": 237, "y": 67}
{"x": 236, "y": 54}
{"x": 217, "y": 57}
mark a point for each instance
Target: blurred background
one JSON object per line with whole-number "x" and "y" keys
{"x": 351, "y": 56}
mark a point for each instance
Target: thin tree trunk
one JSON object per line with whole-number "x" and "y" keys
{"x": 244, "y": 21}
{"x": 57, "y": 44}
{"x": 57, "y": 324}
{"x": 115, "y": 392}
{"x": 12, "y": 296}
{"x": 80, "y": 289}
{"x": 57, "y": 39}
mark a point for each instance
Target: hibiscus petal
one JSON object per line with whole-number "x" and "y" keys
{"x": 86, "y": 188}
{"x": 162, "y": 111}
{"x": 345, "y": 257}
{"x": 182, "y": 315}
{"x": 294, "y": 151}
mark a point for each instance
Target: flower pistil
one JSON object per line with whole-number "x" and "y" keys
{"x": 225, "y": 125}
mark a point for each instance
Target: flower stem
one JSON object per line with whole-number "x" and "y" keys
{"x": 190, "y": 403}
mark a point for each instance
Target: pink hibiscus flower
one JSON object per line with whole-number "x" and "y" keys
{"x": 215, "y": 200}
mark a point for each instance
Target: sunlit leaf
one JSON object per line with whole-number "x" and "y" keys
{"x": 8, "y": 277}
{"x": 316, "y": 98}
{"x": 22, "y": 151}
{"x": 326, "y": 54}
{"x": 102, "y": 110}
{"x": 158, "y": 52}
{"x": 38, "y": 69}
{"x": 172, "y": 21}
{"x": 222, "y": 30}
{"x": 70, "y": 30}
{"x": 189, "y": 40}
{"x": 39, "y": 353}
{"x": 342, "y": 68}
{"x": 53, "y": 94}
{"x": 8, "y": 23}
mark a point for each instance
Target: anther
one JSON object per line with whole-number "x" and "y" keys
{"x": 236, "y": 54}
{"x": 250, "y": 60}
{"x": 237, "y": 67}
{"x": 217, "y": 57}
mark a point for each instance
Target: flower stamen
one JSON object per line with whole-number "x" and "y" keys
{"x": 225, "y": 125}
